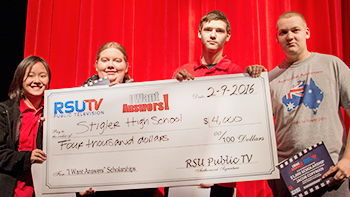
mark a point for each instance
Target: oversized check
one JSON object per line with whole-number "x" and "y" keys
{"x": 162, "y": 133}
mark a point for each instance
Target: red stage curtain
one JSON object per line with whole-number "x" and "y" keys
{"x": 160, "y": 35}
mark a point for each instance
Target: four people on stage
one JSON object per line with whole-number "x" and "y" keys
{"x": 322, "y": 81}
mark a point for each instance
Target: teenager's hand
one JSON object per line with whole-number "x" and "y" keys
{"x": 341, "y": 172}
{"x": 37, "y": 156}
{"x": 183, "y": 75}
{"x": 87, "y": 192}
{"x": 255, "y": 70}
{"x": 206, "y": 185}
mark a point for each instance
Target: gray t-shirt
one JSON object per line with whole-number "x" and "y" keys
{"x": 306, "y": 100}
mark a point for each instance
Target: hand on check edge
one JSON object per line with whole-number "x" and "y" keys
{"x": 183, "y": 75}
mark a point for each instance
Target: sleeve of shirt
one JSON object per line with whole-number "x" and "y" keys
{"x": 11, "y": 161}
{"x": 187, "y": 66}
{"x": 235, "y": 69}
{"x": 175, "y": 72}
{"x": 344, "y": 83}
{"x": 231, "y": 185}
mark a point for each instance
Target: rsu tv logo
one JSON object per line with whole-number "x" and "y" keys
{"x": 71, "y": 106}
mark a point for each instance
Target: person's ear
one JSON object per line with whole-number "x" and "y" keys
{"x": 95, "y": 65}
{"x": 199, "y": 34}
{"x": 307, "y": 31}
{"x": 127, "y": 66}
{"x": 228, "y": 37}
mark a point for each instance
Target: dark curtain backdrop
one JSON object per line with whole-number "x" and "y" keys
{"x": 160, "y": 35}
{"x": 13, "y": 26}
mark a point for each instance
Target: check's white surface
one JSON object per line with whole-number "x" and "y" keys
{"x": 37, "y": 170}
{"x": 210, "y": 130}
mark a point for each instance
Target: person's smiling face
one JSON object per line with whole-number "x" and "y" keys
{"x": 36, "y": 81}
{"x": 111, "y": 64}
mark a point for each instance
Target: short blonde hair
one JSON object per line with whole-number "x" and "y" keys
{"x": 291, "y": 14}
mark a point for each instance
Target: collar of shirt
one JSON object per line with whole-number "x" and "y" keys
{"x": 220, "y": 65}
{"x": 23, "y": 107}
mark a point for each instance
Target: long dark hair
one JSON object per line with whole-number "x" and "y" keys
{"x": 16, "y": 87}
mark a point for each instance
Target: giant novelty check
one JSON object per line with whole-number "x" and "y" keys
{"x": 162, "y": 133}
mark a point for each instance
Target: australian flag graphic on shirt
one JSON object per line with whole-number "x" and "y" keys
{"x": 309, "y": 95}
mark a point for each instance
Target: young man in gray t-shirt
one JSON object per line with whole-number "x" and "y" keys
{"x": 307, "y": 91}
